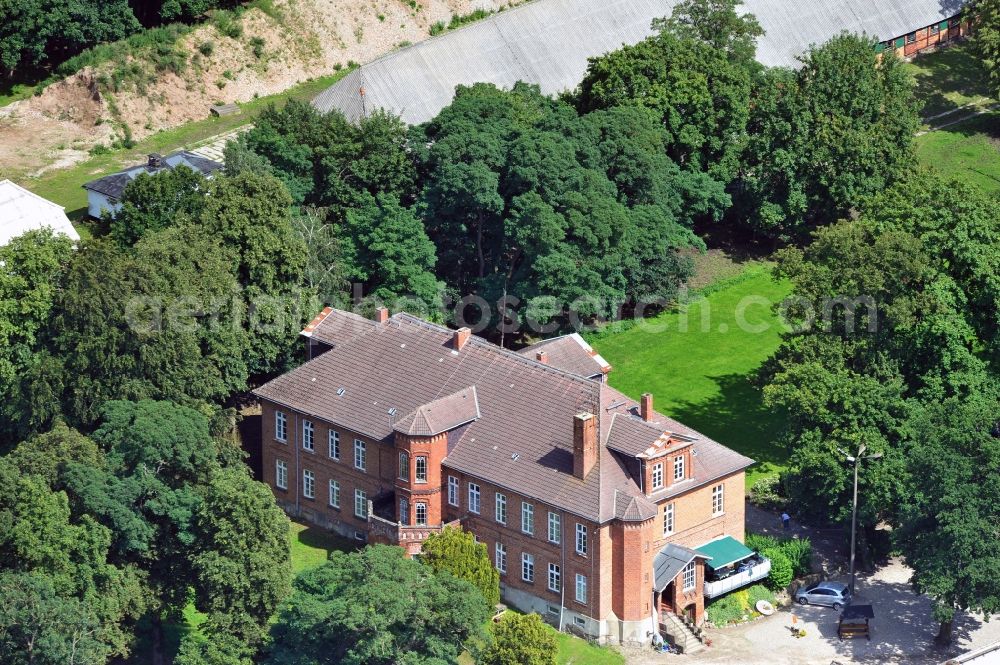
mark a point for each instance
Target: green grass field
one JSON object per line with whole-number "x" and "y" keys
{"x": 949, "y": 79}
{"x": 64, "y": 186}
{"x": 968, "y": 151}
{"x": 698, "y": 365}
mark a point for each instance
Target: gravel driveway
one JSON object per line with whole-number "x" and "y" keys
{"x": 902, "y": 632}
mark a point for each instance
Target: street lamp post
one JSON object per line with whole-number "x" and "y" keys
{"x": 856, "y": 459}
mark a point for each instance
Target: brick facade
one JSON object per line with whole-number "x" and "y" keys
{"x": 614, "y": 569}
{"x": 928, "y": 37}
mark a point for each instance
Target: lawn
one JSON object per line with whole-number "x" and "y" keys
{"x": 311, "y": 546}
{"x": 968, "y": 151}
{"x": 949, "y": 79}
{"x": 64, "y": 186}
{"x": 698, "y": 364}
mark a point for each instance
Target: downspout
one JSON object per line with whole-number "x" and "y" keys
{"x": 564, "y": 574}
{"x": 298, "y": 471}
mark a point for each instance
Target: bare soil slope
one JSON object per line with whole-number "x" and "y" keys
{"x": 301, "y": 39}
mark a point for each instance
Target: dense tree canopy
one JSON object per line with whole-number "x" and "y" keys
{"x": 697, "y": 74}
{"x": 151, "y": 203}
{"x": 32, "y": 267}
{"x": 983, "y": 17}
{"x": 375, "y": 607}
{"x": 889, "y": 328}
{"x": 825, "y": 136}
{"x": 43, "y": 33}
{"x": 946, "y": 533}
{"x": 519, "y": 199}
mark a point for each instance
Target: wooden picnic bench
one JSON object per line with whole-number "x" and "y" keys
{"x": 854, "y": 621}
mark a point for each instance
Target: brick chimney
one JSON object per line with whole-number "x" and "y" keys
{"x": 381, "y": 315}
{"x": 542, "y": 357}
{"x": 646, "y": 407}
{"x": 459, "y": 338}
{"x": 584, "y": 444}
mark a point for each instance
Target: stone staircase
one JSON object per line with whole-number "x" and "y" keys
{"x": 682, "y": 633}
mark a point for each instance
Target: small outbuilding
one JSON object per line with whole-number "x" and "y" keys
{"x": 22, "y": 211}
{"x": 104, "y": 194}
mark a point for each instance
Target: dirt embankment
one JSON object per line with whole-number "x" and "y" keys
{"x": 301, "y": 39}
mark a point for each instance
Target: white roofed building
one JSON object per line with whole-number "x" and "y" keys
{"x": 22, "y": 211}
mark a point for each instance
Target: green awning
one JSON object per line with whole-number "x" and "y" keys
{"x": 724, "y": 551}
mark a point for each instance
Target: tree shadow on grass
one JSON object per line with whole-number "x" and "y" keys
{"x": 737, "y": 418}
{"x": 319, "y": 538}
{"x": 948, "y": 71}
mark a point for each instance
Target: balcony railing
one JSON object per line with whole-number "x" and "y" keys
{"x": 737, "y": 580}
{"x": 402, "y": 534}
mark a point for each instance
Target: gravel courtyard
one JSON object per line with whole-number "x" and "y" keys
{"x": 902, "y": 632}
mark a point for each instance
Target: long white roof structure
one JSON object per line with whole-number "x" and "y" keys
{"x": 548, "y": 42}
{"x": 21, "y": 211}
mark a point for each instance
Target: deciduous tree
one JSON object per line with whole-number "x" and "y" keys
{"x": 375, "y": 607}
{"x": 520, "y": 638}
{"x": 456, "y": 551}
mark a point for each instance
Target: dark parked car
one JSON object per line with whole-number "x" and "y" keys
{"x": 834, "y": 594}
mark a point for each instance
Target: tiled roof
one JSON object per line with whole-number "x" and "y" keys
{"x": 634, "y": 508}
{"x": 631, "y": 435}
{"x": 335, "y": 326}
{"x": 113, "y": 185}
{"x": 441, "y": 415}
{"x": 523, "y": 439}
{"x": 571, "y": 353}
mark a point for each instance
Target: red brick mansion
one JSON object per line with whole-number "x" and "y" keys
{"x": 601, "y": 514}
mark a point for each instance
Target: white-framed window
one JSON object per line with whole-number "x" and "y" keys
{"x": 689, "y": 576}
{"x": 308, "y": 435}
{"x": 657, "y": 475}
{"x": 668, "y": 519}
{"x": 281, "y": 426}
{"x": 404, "y": 466}
{"x": 527, "y": 518}
{"x": 718, "y": 499}
{"x": 581, "y": 539}
{"x": 555, "y": 528}
{"x": 420, "y": 469}
{"x": 420, "y": 511}
{"x": 333, "y": 444}
{"x": 679, "y": 467}
{"x": 473, "y": 498}
{"x": 500, "y": 509}
{"x": 527, "y": 567}
{"x": 452, "y": 491}
{"x": 361, "y": 504}
{"x": 555, "y": 578}
{"x": 360, "y": 455}
{"x": 581, "y": 588}
{"x": 501, "y": 558}
{"x": 404, "y": 511}
{"x": 334, "y": 494}
{"x": 281, "y": 474}
{"x": 579, "y": 622}
{"x": 308, "y": 484}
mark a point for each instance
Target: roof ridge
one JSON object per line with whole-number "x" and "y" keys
{"x": 496, "y": 348}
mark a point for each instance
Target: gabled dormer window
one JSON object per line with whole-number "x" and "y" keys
{"x": 679, "y": 468}
{"x": 657, "y": 479}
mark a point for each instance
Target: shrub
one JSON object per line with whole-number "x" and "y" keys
{"x": 759, "y": 592}
{"x": 726, "y": 610}
{"x": 520, "y": 638}
{"x": 782, "y": 572}
{"x": 228, "y": 24}
{"x": 437, "y": 28}
{"x": 799, "y": 552}
{"x": 257, "y": 47}
{"x": 206, "y": 48}
{"x": 766, "y": 493}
